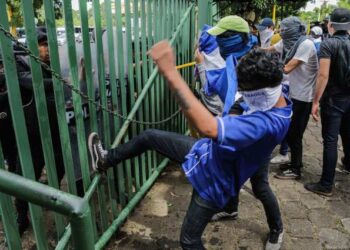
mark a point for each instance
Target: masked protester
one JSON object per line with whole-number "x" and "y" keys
{"x": 301, "y": 65}
{"x": 219, "y": 50}
{"x": 218, "y": 164}
{"x": 266, "y": 31}
{"x": 333, "y": 96}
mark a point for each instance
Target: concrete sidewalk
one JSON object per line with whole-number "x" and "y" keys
{"x": 310, "y": 221}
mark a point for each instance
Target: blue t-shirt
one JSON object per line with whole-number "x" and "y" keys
{"x": 217, "y": 169}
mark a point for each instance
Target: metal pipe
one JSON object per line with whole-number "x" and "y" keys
{"x": 149, "y": 83}
{"x": 64, "y": 240}
{"x": 76, "y": 208}
{"x": 132, "y": 203}
{"x": 39, "y": 194}
{"x": 62, "y": 243}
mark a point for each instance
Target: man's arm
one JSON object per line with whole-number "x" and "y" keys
{"x": 270, "y": 48}
{"x": 321, "y": 83}
{"x": 195, "y": 112}
{"x": 291, "y": 65}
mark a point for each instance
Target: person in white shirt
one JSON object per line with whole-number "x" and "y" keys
{"x": 301, "y": 64}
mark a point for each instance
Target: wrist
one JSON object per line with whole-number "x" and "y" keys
{"x": 172, "y": 76}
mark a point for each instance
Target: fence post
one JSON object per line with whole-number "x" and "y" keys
{"x": 204, "y": 13}
{"x": 83, "y": 229}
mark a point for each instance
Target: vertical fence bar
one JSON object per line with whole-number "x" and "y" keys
{"x": 138, "y": 65}
{"x": 90, "y": 85}
{"x": 77, "y": 102}
{"x": 59, "y": 97}
{"x": 145, "y": 75}
{"x": 114, "y": 96}
{"x": 8, "y": 217}
{"x": 18, "y": 122}
{"x": 131, "y": 90}
{"x": 105, "y": 117}
{"x": 41, "y": 104}
{"x": 84, "y": 20}
{"x": 121, "y": 77}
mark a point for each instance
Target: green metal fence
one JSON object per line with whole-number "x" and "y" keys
{"x": 123, "y": 95}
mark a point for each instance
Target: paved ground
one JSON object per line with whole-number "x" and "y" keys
{"x": 310, "y": 221}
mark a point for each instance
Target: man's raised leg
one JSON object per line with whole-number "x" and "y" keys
{"x": 172, "y": 145}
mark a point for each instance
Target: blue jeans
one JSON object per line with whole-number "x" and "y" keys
{"x": 176, "y": 147}
{"x": 335, "y": 118}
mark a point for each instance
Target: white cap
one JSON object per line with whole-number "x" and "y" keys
{"x": 317, "y": 31}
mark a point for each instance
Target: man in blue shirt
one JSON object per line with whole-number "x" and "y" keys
{"x": 234, "y": 147}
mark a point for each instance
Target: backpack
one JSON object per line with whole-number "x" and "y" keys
{"x": 342, "y": 64}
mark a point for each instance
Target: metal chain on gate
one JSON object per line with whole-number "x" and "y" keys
{"x": 78, "y": 91}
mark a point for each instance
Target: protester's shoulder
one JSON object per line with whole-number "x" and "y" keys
{"x": 242, "y": 121}
{"x": 308, "y": 44}
{"x": 329, "y": 42}
{"x": 328, "y": 47}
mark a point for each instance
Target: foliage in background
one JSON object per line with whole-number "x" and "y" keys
{"x": 16, "y": 19}
{"x": 319, "y": 14}
{"x": 261, "y": 8}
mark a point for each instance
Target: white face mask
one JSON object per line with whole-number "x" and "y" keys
{"x": 265, "y": 36}
{"x": 261, "y": 99}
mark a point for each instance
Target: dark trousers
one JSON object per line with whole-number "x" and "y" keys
{"x": 284, "y": 147}
{"x": 335, "y": 118}
{"x": 300, "y": 118}
{"x": 200, "y": 211}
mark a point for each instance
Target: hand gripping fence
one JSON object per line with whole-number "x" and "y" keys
{"x": 79, "y": 92}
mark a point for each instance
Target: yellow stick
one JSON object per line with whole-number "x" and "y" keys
{"x": 185, "y": 65}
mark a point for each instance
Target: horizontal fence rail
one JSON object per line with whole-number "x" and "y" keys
{"x": 97, "y": 78}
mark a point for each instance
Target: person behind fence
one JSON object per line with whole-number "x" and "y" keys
{"x": 333, "y": 96}
{"x": 7, "y": 135}
{"x": 301, "y": 64}
{"x": 218, "y": 164}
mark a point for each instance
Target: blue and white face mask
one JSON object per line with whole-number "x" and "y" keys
{"x": 261, "y": 99}
{"x": 229, "y": 45}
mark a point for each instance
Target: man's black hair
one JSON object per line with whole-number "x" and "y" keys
{"x": 259, "y": 69}
{"x": 229, "y": 33}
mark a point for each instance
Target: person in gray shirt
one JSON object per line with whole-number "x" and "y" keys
{"x": 301, "y": 64}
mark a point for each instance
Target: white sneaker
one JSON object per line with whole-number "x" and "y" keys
{"x": 280, "y": 159}
{"x": 224, "y": 215}
{"x": 274, "y": 241}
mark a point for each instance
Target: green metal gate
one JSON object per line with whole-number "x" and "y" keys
{"x": 130, "y": 97}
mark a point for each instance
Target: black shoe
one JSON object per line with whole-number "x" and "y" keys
{"x": 98, "y": 153}
{"x": 274, "y": 240}
{"x": 23, "y": 223}
{"x": 318, "y": 189}
{"x": 224, "y": 216}
{"x": 285, "y": 166}
{"x": 289, "y": 174}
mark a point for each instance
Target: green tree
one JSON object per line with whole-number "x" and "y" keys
{"x": 16, "y": 15}
{"x": 344, "y": 4}
{"x": 261, "y": 8}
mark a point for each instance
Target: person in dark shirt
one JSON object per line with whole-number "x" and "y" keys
{"x": 7, "y": 135}
{"x": 333, "y": 95}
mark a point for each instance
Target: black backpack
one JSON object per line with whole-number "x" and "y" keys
{"x": 342, "y": 63}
